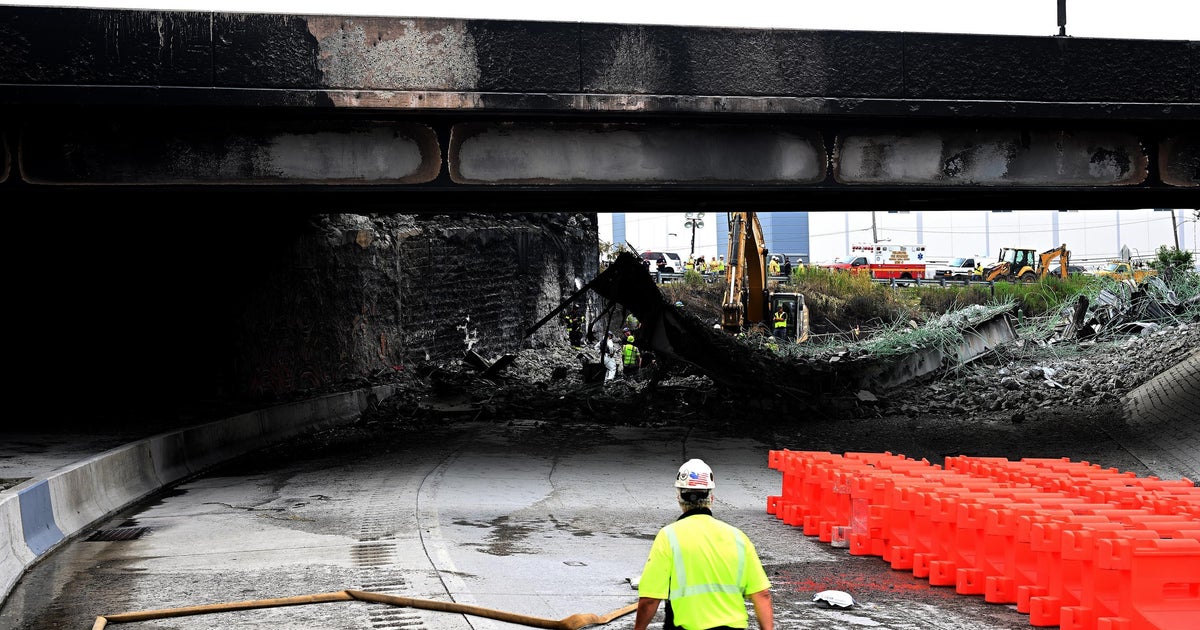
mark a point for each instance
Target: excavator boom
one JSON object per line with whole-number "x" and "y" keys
{"x": 748, "y": 300}
{"x": 745, "y": 273}
{"x": 1064, "y": 258}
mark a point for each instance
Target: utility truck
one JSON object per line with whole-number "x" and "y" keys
{"x": 1124, "y": 270}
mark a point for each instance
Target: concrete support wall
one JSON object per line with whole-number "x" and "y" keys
{"x": 258, "y": 302}
{"x": 361, "y": 295}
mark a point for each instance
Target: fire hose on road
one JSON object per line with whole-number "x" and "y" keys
{"x": 572, "y": 622}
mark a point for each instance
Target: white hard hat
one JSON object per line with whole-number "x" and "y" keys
{"x": 695, "y": 474}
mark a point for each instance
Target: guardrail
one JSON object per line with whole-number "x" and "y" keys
{"x": 665, "y": 278}
{"x": 940, "y": 282}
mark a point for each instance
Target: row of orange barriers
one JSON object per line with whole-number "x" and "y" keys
{"x": 1072, "y": 544}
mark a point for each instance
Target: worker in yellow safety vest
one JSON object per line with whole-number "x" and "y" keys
{"x": 780, "y": 322}
{"x": 705, "y": 568}
{"x": 773, "y": 266}
{"x": 631, "y": 358}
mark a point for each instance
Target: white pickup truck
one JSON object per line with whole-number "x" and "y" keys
{"x": 957, "y": 269}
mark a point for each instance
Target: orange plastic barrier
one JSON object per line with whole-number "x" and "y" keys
{"x": 1157, "y": 583}
{"x": 1063, "y": 540}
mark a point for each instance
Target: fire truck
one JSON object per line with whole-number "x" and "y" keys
{"x": 884, "y": 261}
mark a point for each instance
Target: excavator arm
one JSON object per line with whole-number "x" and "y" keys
{"x": 1048, "y": 256}
{"x": 745, "y": 273}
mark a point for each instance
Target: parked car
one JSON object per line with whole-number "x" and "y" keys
{"x": 672, "y": 262}
{"x": 1072, "y": 270}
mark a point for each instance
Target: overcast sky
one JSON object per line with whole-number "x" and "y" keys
{"x": 1136, "y": 19}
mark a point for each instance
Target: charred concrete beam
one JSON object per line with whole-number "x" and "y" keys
{"x": 679, "y": 337}
{"x": 677, "y": 116}
{"x": 1179, "y": 160}
{"x": 992, "y": 157}
{"x": 141, "y": 152}
{"x": 542, "y": 154}
{"x": 63, "y": 55}
{"x": 533, "y": 153}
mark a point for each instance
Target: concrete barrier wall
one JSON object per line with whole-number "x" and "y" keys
{"x": 41, "y": 514}
{"x": 14, "y": 552}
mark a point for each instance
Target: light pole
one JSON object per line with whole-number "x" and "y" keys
{"x": 1195, "y": 220}
{"x": 693, "y": 221}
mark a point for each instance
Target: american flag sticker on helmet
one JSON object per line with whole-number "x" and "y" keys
{"x": 697, "y": 479}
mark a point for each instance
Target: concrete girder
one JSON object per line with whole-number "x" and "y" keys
{"x": 497, "y": 154}
{"x": 135, "y": 152}
{"x": 532, "y": 153}
{"x": 849, "y": 119}
{"x": 991, "y": 157}
{"x": 1179, "y": 161}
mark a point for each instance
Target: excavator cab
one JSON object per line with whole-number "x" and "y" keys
{"x": 749, "y": 300}
{"x": 797, "y": 314}
{"x": 1015, "y": 264}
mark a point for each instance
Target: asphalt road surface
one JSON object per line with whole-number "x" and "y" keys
{"x": 521, "y": 517}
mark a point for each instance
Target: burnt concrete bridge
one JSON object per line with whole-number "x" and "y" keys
{"x": 218, "y": 205}
{"x": 157, "y": 108}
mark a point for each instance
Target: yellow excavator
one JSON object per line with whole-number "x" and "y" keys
{"x": 1020, "y": 264}
{"x": 749, "y": 302}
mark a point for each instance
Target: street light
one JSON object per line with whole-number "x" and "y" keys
{"x": 695, "y": 221}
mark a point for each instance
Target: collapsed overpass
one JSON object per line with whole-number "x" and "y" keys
{"x": 422, "y": 114}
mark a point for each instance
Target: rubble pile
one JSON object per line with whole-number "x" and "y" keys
{"x": 1032, "y": 376}
{"x": 1078, "y": 363}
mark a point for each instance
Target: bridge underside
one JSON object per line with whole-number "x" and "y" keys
{"x": 419, "y": 115}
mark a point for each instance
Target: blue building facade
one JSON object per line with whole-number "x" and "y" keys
{"x": 784, "y": 233}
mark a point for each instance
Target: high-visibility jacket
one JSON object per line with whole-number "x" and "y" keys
{"x": 706, "y": 568}
{"x": 721, "y": 265}
{"x": 773, "y": 267}
{"x": 780, "y": 319}
{"x": 630, "y": 354}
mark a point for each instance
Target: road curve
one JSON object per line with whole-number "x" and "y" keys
{"x": 528, "y": 518}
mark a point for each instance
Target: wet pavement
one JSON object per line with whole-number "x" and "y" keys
{"x": 536, "y": 519}
{"x": 523, "y": 518}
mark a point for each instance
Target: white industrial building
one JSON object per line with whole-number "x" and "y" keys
{"x": 1092, "y": 236}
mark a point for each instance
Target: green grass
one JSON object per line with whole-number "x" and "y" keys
{"x": 840, "y": 303}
